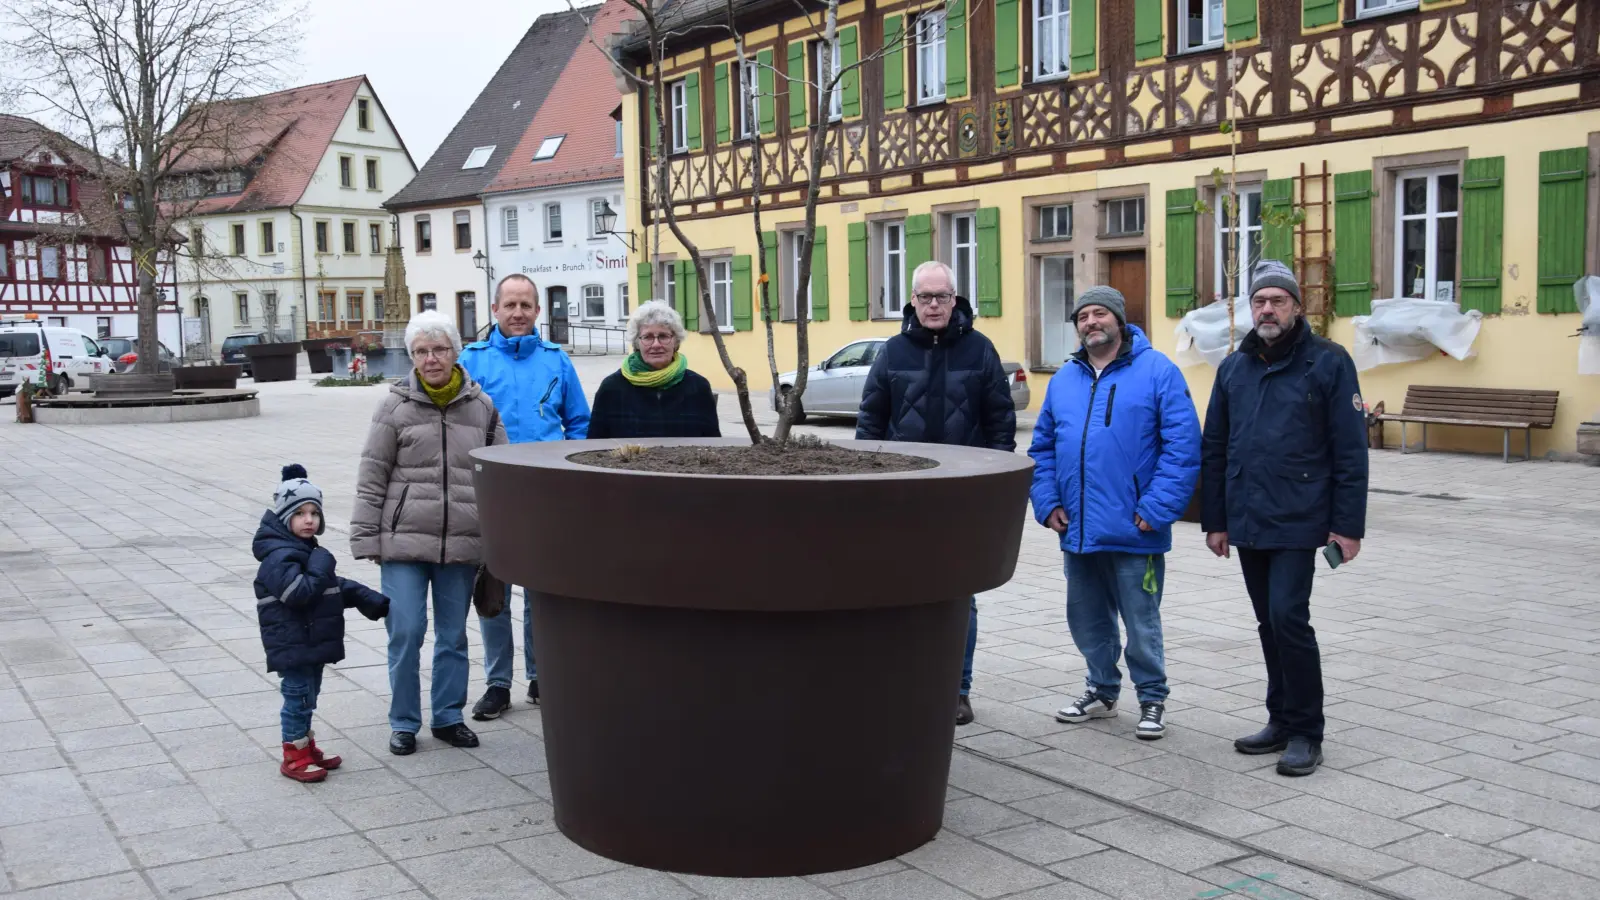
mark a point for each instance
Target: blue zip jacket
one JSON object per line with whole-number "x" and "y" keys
{"x": 300, "y": 601}
{"x": 1107, "y": 448}
{"x": 533, "y": 385}
{"x": 1285, "y": 449}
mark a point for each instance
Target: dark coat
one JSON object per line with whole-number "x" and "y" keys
{"x": 625, "y": 410}
{"x": 1284, "y": 452}
{"x": 938, "y": 387}
{"x": 300, "y": 602}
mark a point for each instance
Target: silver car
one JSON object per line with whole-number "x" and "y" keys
{"x": 834, "y": 386}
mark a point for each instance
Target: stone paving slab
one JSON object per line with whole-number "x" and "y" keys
{"x": 138, "y": 727}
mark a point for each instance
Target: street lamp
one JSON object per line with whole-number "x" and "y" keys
{"x": 608, "y": 225}
{"x": 482, "y": 262}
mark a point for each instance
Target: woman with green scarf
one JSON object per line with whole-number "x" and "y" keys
{"x": 654, "y": 394}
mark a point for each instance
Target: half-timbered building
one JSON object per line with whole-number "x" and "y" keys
{"x": 1444, "y": 149}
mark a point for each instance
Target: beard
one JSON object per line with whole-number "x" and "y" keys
{"x": 1097, "y": 337}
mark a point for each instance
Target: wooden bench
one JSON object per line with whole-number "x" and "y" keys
{"x": 1506, "y": 409}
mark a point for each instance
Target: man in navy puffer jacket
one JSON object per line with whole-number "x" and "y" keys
{"x": 940, "y": 382}
{"x": 1116, "y": 451}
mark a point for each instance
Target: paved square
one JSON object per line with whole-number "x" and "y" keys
{"x": 138, "y": 729}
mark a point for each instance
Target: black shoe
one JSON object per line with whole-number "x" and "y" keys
{"x": 963, "y": 711}
{"x": 402, "y": 743}
{"x": 533, "y": 692}
{"x": 496, "y": 700}
{"x": 1152, "y": 721}
{"x": 1270, "y": 739}
{"x": 457, "y": 735}
{"x": 1301, "y": 758}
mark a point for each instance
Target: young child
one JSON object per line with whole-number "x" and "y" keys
{"x": 300, "y": 603}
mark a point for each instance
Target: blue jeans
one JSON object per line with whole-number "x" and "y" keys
{"x": 972, "y": 648}
{"x": 300, "y": 688}
{"x": 406, "y": 585}
{"x": 498, "y": 646}
{"x": 1099, "y": 587}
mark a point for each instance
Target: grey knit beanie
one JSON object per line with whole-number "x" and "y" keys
{"x": 1101, "y": 295}
{"x": 1272, "y": 273}
{"x": 296, "y": 491}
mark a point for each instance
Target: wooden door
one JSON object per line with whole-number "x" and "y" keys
{"x": 1128, "y": 274}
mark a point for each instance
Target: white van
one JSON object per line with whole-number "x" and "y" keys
{"x": 74, "y": 356}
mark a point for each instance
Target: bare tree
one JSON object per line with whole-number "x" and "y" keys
{"x": 135, "y": 81}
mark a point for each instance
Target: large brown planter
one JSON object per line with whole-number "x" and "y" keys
{"x": 207, "y": 378}
{"x": 273, "y": 362}
{"x": 760, "y": 678}
{"x": 317, "y": 353}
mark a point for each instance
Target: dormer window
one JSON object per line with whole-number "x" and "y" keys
{"x": 46, "y": 192}
{"x": 479, "y": 157}
{"x": 547, "y": 149}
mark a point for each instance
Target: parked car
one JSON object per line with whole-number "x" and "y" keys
{"x": 834, "y": 386}
{"x": 125, "y": 351}
{"x": 233, "y": 349}
{"x": 74, "y": 356}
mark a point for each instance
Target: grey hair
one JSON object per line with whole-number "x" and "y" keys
{"x": 434, "y": 324}
{"x": 655, "y": 312}
{"x": 933, "y": 265}
{"x": 516, "y": 276}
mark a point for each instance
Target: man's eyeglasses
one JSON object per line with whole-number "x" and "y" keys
{"x": 935, "y": 299}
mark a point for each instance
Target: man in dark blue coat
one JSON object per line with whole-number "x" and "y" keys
{"x": 1283, "y": 474}
{"x": 940, "y": 382}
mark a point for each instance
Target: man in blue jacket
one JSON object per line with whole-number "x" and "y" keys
{"x": 1116, "y": 452}
{"x": 1285, "y": 473}
{"x": 535, "y": 389}
{"x": 940, "y": 382}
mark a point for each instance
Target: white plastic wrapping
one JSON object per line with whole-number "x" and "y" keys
{"x": 1588, "y": 292}
{"x": 1203, "y": 333}
{"x": 1404, "y": 329}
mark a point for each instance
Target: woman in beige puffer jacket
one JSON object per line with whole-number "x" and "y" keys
{"x": 416, "y": 514}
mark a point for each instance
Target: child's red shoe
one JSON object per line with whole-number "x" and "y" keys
{"x": 298, "y": 764}
{"x": 322, "y": 759}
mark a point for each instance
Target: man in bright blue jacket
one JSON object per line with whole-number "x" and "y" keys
{"x": 535, "y": 390}
{"x": 1285, "y": 473}
{"x": 1116, "y": 452}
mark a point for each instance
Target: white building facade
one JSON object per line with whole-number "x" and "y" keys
{"x": 440, "y": 245}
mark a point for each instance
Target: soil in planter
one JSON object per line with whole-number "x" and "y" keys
{"x": 770, "y": 459}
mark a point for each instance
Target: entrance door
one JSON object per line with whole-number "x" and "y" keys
{"x": 467, "y": 315}
{"x": 1127, "y": 273}
{"x": 1057, "y": 337}
{"x": 557, "y": 297}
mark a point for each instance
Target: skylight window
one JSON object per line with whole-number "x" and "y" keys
{"x": 549, "y": 147}
{"x": 479, "y": 157}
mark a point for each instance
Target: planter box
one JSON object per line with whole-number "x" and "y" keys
{"x": 317, "y": 353}
{"x": 1589, "y": 438}
{"x": 786, "y": 709}
{"x": 273, "y": 362}
{"x": 209, "y": 378}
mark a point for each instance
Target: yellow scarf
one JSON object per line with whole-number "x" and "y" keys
{"x": 441, "y": 396}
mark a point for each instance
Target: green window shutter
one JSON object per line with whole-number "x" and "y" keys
{"x": 769, "y": 244}
{"x": 1352, "y": 243}
{"x": 1317, "y": 13}
{"x": 691, "y": 92}
{"x": 989, "y": 261}
{"x": 680, "y": 283}
{"x": 742, "y": 281}
{"x": 797, "y": 85}
{"x": 646, "y": 271}
{"x": 849, "y": 55}
{"x": 1147, "y": 42}
{"x": 955, "y": 50}
{"x": 1180, "y": 251}
{"x": 691, "y": 296}
{"x": 1563, "y": 202}
{"x": 894, "y": 63}
{"x": 766, "y": 104}
{"x": 720, "y": 85}
{"x": 819, "y": 275}
{"x": 1277, "y": 241}
{"x": 1007, "y": 44}
{"x": 1483, "y": 204}
{"x": 1239, "y": 20}
{"x": 1084, "y": 31}
{"x": 919, "y": 244}
{"x": 655, "y": 124}
{"x": 858, "y": 269}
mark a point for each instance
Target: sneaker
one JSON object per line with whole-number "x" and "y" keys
{"x": 496, "y": 700}
{"x": 533, "y": 692}
{"x": 458, "y": 735}
{"x": 1151, "y": 721}
{"x": 1301, "y": 757}
{"x": 1089, "y": 706}
{"x": 963, "y": 710}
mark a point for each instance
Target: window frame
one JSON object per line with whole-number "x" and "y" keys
{"x": 374, "y": 171}
{"x": 1219, "y": 274}
{"x": 363, "y": 114}
{"x": 266, "y": 231}
{"x": 890, "y": 262}
{"x": 474, "y": 161}
{"x": 5, "y": 260}
{"x": 349, "y": 238}
{"x": 678, "y": 116}
{"x": 1051, "y": 234}
{"x": 510, "y": 226}
{"x": 795, "y": 258}
{"x": 553, "y": 142}
{"x": 322, "y": 236}
{"x": 622, "y": 300}
{"x": 347, "y": 171}
{"x": 377, "y": 306}
{"x": 928, "y": 49}
{"x": 749, "y": 114}
{"x": 554, "y": 230}
{"x": 236, "y": 237}
{"x": 241, "y": 307}
{"x": 834, "y": 101}
{"x": 1106, "y": 205}
{"x": 1431, "y": 216}
{"x": 375, "y": 237}
{"x": 327, "y": 306}
{"x": 951, "y": 248}
{"x": 1061, "y": 18}
{"x": 459, "y": 219}
{"x": 600, "y": 290}
{"x": 423, "y": 228}
{"x": 427, "y": 301}
{"x": 359, "y": 295}
{"x": 1364, "y": 9}
{"x": 595, "y": 206}
{"x": 1181, "y": 33}
{"x": 60, "y": 185}
{"x": 667, "y": 278}
{"x": 101, "y": 254}
{"x": 721, "y": 281}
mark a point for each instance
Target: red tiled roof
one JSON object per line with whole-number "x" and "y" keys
{"x": 292, "y": 128}
{"x": 579, "y": 106}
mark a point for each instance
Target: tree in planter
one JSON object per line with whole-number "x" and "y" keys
{"x": 121, "y": 76}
